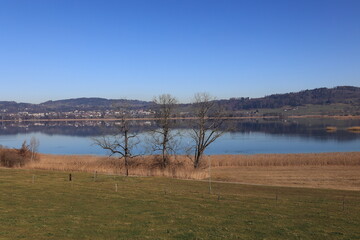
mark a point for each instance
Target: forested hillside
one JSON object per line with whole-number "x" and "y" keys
{"x": 320, "y": 96}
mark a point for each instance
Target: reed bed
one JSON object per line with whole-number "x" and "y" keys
{"x": 179, "y": 167}
{"x": 331, "y": 129}
{"x": 354, "y": 129}
{"x": 182, "y": 167}
{"x": 301, "y": 159}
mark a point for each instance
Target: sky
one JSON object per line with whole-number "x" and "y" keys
{"x": 59, "y": 49}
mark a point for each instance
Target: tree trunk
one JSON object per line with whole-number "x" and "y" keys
{"x": 197, "y": 158}
{"x": 126, "y": 153}
{"x": 164, "y": 150}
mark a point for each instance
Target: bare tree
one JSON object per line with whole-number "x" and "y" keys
{"x": 24, "y": 151}
{"x": 162, "y": 138}
{"x": 121, "y": 142}
{"x": 34, "y": 145}
{"x": 206, "y": 128}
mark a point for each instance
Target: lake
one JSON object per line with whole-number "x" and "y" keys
{"x": 245, "y": 137}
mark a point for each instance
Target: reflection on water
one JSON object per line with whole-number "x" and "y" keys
{"x": 244, "y": 136}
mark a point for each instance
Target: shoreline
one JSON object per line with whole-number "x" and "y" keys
{"x": 217, "y": 155}
{"x": 337, "y": 170}
{"x": 187, "y": 118}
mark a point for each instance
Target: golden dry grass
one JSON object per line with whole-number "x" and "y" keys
{"x": 331, "y": 129}
{"x": 298, "y": 159}
{"x": 319, "y": 170}
{"x": 314, "y": 170}
{"x": 332, "y": 177}
{"x": 354, "y": 129}
{"x": 180, "y": 167}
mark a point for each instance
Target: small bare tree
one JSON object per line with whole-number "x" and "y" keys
{"x": 121, "y": 142}
{"x": 206, "y": 125}
{"x": 34, "y": 145}
{"x": 24, "y": 151}
{"x": 162, "y": 138}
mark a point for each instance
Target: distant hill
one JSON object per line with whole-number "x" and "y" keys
{"x": 80, "y": 104}
{"x": 321, "y": 96}
{"x": 87, "y": 104}
{"x": 11, "y": 106}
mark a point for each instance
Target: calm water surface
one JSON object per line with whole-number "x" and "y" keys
{"x": 246, "y": 137}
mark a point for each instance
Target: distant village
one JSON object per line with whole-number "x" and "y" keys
{"x": 76, "y": 114}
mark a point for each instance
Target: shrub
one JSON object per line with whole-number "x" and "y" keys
{"x": 24, "y": 151}
{"x": 11, "y": 158}
{"x": 15, "y": 157}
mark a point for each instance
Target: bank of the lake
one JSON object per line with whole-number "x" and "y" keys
{"x": 324, "y": 116}
{"x": 315, "y": 170}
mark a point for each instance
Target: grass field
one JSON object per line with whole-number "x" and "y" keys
{"x": 38, "y": 204}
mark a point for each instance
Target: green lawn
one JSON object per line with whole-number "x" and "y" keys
{"x": 161, "y": 208}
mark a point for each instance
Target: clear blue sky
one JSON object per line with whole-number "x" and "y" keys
{"x": 56, "y": 49}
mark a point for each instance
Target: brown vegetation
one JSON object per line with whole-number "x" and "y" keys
{"x": 329, "y": 176}
{"x": 298, "y": 159}
{"x": 330, "y": 170}
{"x": 331, "y": 129}
{"x": 11, "y": 158}
{"x": 315, "y": 170}
{"x": 179, "y": 167}
{"x": 319, "y": 170}
{"x": 17, "y": 157}
{"x": 90, "y": 163}
{"x": 354, "y": 129}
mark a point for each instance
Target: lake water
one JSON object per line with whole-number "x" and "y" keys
{"x": 245, "y": 137}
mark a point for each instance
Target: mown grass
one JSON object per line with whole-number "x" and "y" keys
{"x": 38, "y": 204}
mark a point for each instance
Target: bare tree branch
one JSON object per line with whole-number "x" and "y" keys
{"x": 162, "y": 138}
{"x": 120, "y": 143}
{"x": 34, "y": 145}
{"x": 207, "y": 123}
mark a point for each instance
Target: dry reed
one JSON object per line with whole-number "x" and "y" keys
{"x": 354, "y": 129}
{"x": 301, "y": 159}
{"x": 179, "y": 167}
{"x": 182, "y": 167}
{"x": 331, "y": 129}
